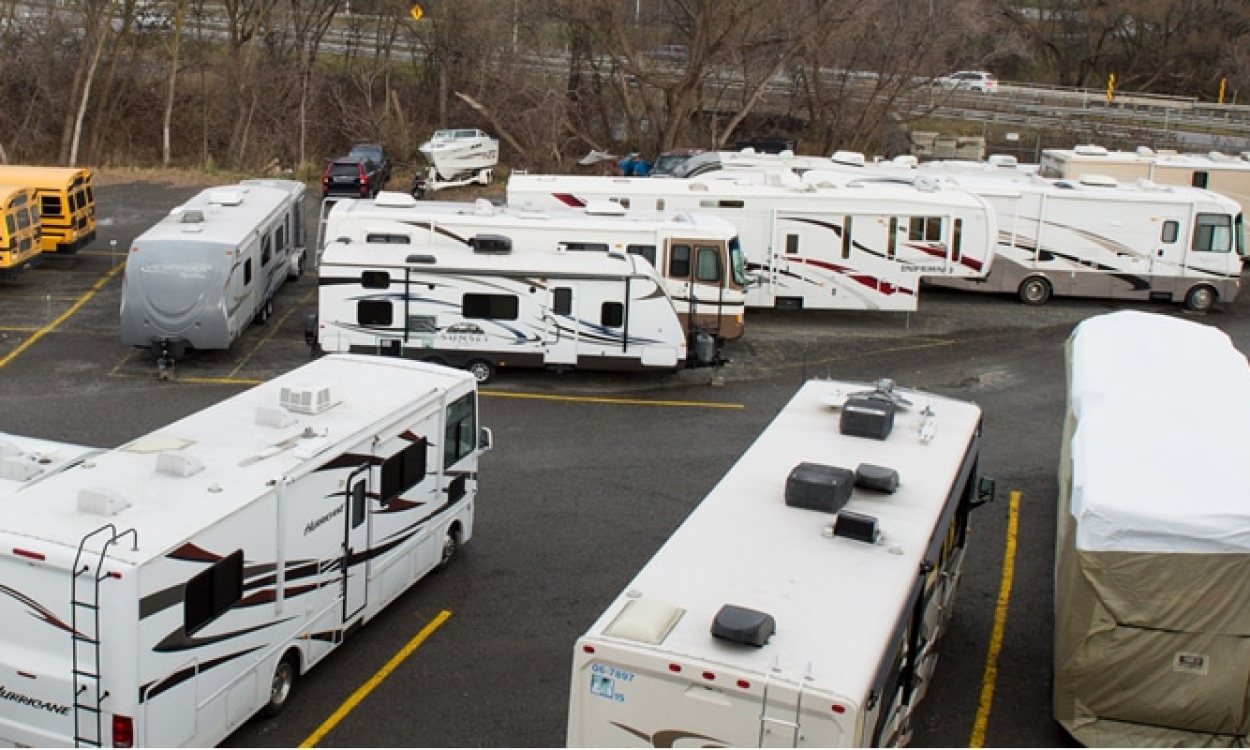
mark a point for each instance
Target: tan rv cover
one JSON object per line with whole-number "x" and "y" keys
{"x": 1152, "y": 558}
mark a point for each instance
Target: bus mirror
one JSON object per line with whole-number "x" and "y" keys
{"x": 986, "y": 490}
{"x": 485, "y": 441}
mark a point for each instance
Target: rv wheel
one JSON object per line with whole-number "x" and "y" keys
{"x": 1200, "y": 298}
{"x": 284, "y": 676}
{"x": 266, "y": 310}
{"x": 451, "y": 543}
{"x": 482, "y": 370}
{"x": 1034, "y": 290}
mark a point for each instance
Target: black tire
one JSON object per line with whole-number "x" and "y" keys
{"x": 285, "y": 676}
{"x": 264, "y": 313}
{"x": 297, "y": 270}
{"x": 1200, "y": 298}
{"x": 482, "y": 370}
{"x": 451, "y": 543}
{"x": 1035, "y": 290}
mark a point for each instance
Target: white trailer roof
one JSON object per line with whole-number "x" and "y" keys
{"x": 227, "y": 214}
{"x": 835, "y": 600}
{"x": 242, "y": 444}
{"x": 1158, "y": 463}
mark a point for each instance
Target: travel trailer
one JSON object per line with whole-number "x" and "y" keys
{"x": 196, "y": 279}
{"x": 1153, "y": 536}
{"x": 487, "y": 307}
{"x": 1224, "y": 173}
{"x": 821, "y": 243}
{"x": 161, "y": 593}
{"x": 802, "y": 602}
{"x": 697, "y": 255}
{"x": 1094, "y": 237}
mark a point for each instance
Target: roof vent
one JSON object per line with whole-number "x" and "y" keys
{"x": 849, "y": 158}
{"x": 742, "y": 625}
{"x": 310, "y": 398}
{"x": 1089, "y": 150}
{"x": 645, "y": 620}
{"x": 905, "y": 160}
{"x": 394, "y": 199}
{"x": 483, "y": 207}
{"x": 192, "y": 216}
{"x": 226, "y": 197}
{"x": 1145, "y": 151}
{"x": 177, "y": 464}
{"x": 9, "y": 448}
{"x": 1003, "y": 161}
{"x": 102, "y": 502}
{"x": 1098, "y": 180}
{"x": 604, "y": 208}
{"x": 272, "y": 416}
{"x": 18, "y": 469}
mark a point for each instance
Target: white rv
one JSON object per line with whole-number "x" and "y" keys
{"x": 161, "y": 593}
{"x": 815, "y": 244}
{"x": 1094, "y": 237}
{"x": 1153, "y": 536}
{"x": 486, "y": 308}
{"x": 1226, "y": 174}
{"x": 197, "y": 278}
{"x": 802, "y": 602}
{"x": 697, "y": 255}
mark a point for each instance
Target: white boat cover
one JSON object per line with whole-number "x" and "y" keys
{"x": 1152, "y": 563}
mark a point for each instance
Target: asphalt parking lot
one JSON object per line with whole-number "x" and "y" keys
{"x": 589, "y": 475}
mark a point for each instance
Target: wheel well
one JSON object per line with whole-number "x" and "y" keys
{"x": 296, "y": 657}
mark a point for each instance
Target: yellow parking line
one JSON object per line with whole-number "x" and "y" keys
{"x": 604, "y": 400}
{"x": 273, "y": 329}
{"x": 61, "y": 318}
{"x": 363, "y": 691}
{"x": 1000, "y": 623}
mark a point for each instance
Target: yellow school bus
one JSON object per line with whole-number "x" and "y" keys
{"x": 66, "y": 204}
{"x": 19, "y": 230}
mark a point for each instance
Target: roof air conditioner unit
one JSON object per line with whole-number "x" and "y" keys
{"x": 310, "y": 398}
{"x": 1098, "y": 180}
{"x": 193, "y": 216}
{"x": 849, "y": 158}
{"x": 394, "y": 199}
{"x": 101, "y": 502}
{"x": 226, "y": 197}
{"x": 742, "y": 625}
{"x": 17, "y": 469}
{"x": 1090, "y": 150}
{"x": 177, "y": 464}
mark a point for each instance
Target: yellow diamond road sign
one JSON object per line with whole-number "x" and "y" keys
{"x": 416, "y": 12}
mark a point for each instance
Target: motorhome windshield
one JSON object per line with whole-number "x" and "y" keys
{"x": 1239, "y": 234}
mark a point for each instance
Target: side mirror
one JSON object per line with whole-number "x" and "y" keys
{"x": 485, "y": 441}
{"x": 987, "y": 488}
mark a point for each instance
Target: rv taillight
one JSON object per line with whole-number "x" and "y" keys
{"x": 744, "y": 684}
{"x": 838, "y": 708}
{"x": 674, "y": 667}
{"x": 709, "y": 675}
{"x": 27, "y": 553}
{"x": 123, "y": 731}
{"x": 588, "y": 649}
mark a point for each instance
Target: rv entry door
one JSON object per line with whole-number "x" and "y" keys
{"x": 355, "y": 542}
{"x": 562, "y": 327}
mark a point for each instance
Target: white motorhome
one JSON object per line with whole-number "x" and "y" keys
{"x": 1094, "y": 237}
{"x": 1153, "y": 536}
{"x": 197, "y": 278}
{"x": 1226, "y": 174}
{"x": 765, "y": 622}
{"x": 161, "y": 593}
{"x": 818, "y": 244}
{"x": 697, "y": 255}
{"x": 486, "y": 308}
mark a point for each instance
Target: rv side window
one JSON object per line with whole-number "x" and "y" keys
{"x": 659, "y": 204}
{"x": 358, "y": 505}
{"x": 646, "y": 251}
{"x": 591, "y": 247}
{"x": 957, "y": 239}
{"x": 612, "y": 314}
{"x": 213, "y": 591}
{"x": 846, "y": 236}
{"x": 1171, "y": 230}
{"x": 266, "y": 250}
{"x": 403, "y": 471}
{"x": 792, "y": 244}
{"x": 562, "y": 302}
{"x": 373, "y": 312}
{"x": 50, "y": 205}
{"x": 461, "y": 434}
{"x": 489, "y": 306}
{"x": 1213, "y": 233}
{"x": 375, "y": 279}
{"x": 247, "y": 272}
{"x": 679, "y": 261}
{"x": 279, "y": 237}
{"x": 1200, "y": 179}
{"x": 707, "y": 266}
{"x": 374, "y": 238}
{"x": 891, "y": 241}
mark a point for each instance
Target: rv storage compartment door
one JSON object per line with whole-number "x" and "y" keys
{"x": 819, "y": 487}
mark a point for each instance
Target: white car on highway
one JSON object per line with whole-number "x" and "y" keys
{"x": 969, "y": 80}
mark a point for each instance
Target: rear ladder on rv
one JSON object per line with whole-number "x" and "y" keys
{"x": 85, "y": 635}
{"x": 767, "y": 721}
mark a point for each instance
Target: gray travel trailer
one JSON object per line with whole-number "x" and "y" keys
{"x": 198, "y": 277}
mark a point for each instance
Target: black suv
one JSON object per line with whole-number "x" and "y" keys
{"x": 376, "y": 153}
{"x": 353, "y": 177}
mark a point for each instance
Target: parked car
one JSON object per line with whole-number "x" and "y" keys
{"x": 376, "y": 153}
{"x": 968, "y": 80}
{"x": 353, "y": 177}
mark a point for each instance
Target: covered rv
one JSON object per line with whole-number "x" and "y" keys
{"x": 811, "y": 242}
{"x": 1096, "y": 237}
{"x": 697, "y": 255}
{"x": 197, "y": 278}
{"x": 1152, "y": 598}
{"x": 488, "y": 308}
{"x": 802, "y": 603}
{"x": 161, "y": 593}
